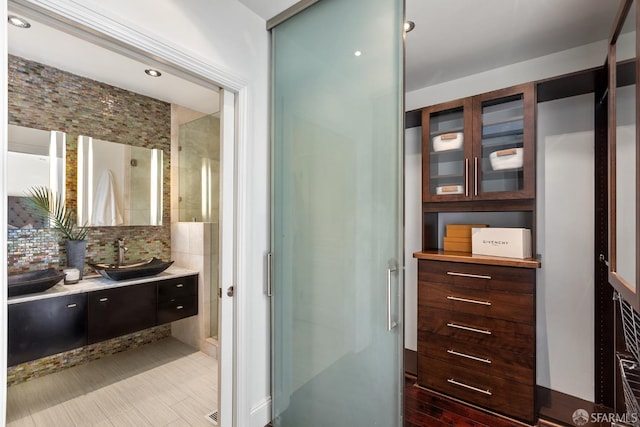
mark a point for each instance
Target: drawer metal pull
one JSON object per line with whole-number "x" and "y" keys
{"x": 103, "y": 299}
{"x": 180, "y": 307}
{"x": 467, "y": 328}
{"x": 472, "y": 301}
{"x": 473, "y": 276}
{"x": 179, "y": 285}
{"x": 72, "y": 305}
{"x": 467, "y": 386}
{"x": 468, "y": 356}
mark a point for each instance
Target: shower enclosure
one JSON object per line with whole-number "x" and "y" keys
{"x": 199, "y": 191}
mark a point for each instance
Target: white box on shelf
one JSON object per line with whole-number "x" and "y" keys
{"x": 450, "y": 189}
{"x": 502, "y": 242}
{"x": 448, "y": 141}
{"x": 510, "y": 158}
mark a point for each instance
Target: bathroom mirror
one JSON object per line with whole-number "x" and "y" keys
{"x": 118, "y": 184}
{"x": 35, "y": 157}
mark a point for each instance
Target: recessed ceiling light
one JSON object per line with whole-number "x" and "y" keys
{"x": 153, "y": 73}
{"x": 18, "y": 22}
{"x": 408, "y": 26}
{"x": 357, "y": 53}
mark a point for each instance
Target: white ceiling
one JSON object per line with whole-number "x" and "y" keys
{"x": 46, "y": 45}
{"x": 452, "y": 39}
{"x": 457, "y": 38}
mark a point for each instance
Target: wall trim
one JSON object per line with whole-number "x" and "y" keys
{"x": 98, "y": 26}
{"x": 261, "y": 413}
{"x": 3, "y": 204}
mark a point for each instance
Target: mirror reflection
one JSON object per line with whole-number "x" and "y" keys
{"x": 626, "y": 157}
{"x": 35, "y": 158}
{"x": 118, "y": 184}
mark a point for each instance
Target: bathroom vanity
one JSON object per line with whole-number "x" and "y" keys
{"x": 67, "y": 317}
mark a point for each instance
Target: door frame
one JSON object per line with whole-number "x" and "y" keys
{"x": 121, "y": 37}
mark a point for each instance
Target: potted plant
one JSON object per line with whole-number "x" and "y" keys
{"x": 52, "y": 207}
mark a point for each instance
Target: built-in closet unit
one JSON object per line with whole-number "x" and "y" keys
{"x": 481, "y": 367}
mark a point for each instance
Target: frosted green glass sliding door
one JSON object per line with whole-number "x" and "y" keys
{"x": 336, "y": 216}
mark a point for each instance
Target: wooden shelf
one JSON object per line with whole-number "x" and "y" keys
{"x": 465, "y": 257}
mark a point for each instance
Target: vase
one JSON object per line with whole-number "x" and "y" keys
{"x": 76, "y": 250}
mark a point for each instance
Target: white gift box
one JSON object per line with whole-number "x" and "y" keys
{"x": 503, "y": 242}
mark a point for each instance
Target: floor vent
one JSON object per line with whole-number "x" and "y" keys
{"x": 213, "y": 417}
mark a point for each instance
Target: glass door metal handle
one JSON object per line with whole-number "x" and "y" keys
{"x": 390, "y": 324}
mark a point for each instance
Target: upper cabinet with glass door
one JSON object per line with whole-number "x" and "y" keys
{"x": 480, "y": 148}
{"x": 624, "y": 155}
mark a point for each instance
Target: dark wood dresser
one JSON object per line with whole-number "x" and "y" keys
{"x": 476, "y": 334}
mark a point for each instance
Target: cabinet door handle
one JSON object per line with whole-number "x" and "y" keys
{"x": 72, "y": 305}
{"x": 468, "y": 356}
{"x": 467, "y": 328}
{"x": 467, "y": 386}
{"x": 180, "y": 307}
{"x": 475, "y": 175}
{"x": 179, "y": 285}
{"x": 471, "y": 301}
{"x": 103, "y": 299}
{"x": 473, "y": 276}
{"x": 466, "y": 177}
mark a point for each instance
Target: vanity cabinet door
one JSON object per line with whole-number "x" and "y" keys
{"x": 44, "y": 327}
{"x": 177, "y": 299}
{"x": 120, "y": 311}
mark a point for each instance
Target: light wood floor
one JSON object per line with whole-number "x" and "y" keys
{"x": 166, "y": 383}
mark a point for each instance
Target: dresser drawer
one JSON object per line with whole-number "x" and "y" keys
{"x": 504, "y": 364}
{"x": 171, "y": 290}
{"x": 497, "y": 394}
{"x": 478, "y": 276}
{"x": 514, "y": 306}
{"x": 500, "y": 334}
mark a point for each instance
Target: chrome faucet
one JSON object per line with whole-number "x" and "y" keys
{"x": 121, "y": 250}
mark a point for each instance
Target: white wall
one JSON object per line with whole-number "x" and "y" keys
{"x": 225, "y": 34}
{"x": 565, "y": 283}
{"x": 580, "y": 58}
{"x": 413, "y": 231}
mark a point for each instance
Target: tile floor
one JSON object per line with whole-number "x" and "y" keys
{"x": 165, "y": 383}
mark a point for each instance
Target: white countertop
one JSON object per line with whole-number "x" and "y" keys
{"x": 95, "y": 283}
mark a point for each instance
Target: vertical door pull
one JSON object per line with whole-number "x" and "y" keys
{"x": 475, "y": 175}
{"x": 466, "y": 177}
{"x": 390, "y": 323}
{"x": 269, "y": 290}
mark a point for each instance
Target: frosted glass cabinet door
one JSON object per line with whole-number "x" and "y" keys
{"x": 336, "y": 216}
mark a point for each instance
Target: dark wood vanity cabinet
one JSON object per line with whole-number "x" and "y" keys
{"x": 476, "y": 334}
{"x": 120, "y": 311}
{"x": 177, "y": 299}
{"x": 480, "y": 148}
{"x": 44, "y": 327}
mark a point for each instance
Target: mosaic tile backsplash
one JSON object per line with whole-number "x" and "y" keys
{"x": 47, "y": 98}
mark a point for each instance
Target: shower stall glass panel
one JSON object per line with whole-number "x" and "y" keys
{"x": 199, "y": 188}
